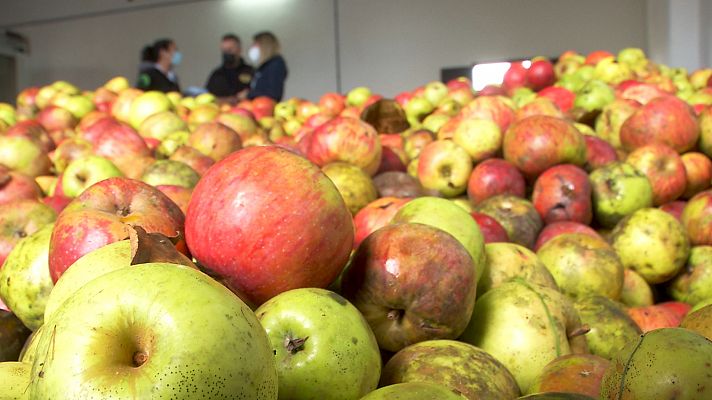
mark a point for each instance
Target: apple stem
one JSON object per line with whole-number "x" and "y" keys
{"x": 582, "y": 330}
{"x": 139, "y": 358}
{"x": 295, "y": 345}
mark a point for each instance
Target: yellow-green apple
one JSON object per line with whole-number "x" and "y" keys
{"x": 16, "y": 378}
{"x": 323, "y": 347}
{"x": 355, "y": 186}
{"x": 215, "y": 140}
{"x": 117, "y": 334}
{"x": 24, "y": 155}
{"x": 694, "y": 284}
{"x": 374, "y": 216}
{"x": 555, "y": 229}
{"x": 79, "y": 105}
{"x": 700, "y": 77}
{"x": 147, "y": 104}
{"x": 667, "y": 120}
{"x": 8, "y": 114}
{"x": 697, "y": 218}
{"x": 493, "y": 177}
{"x": 413, "y": 391}
{"x": 412, "y": 282}
{"x": 636, "y": 291}
{"x": 240, "y": 227}
{"x": 598, "y": 153}
{"x": 496, "y": 108}
{"x": 525, "y": 326}
{"x": 170, "y": 172}
{"x": 705, "y": 141}
{"x": 345, "y": 139}
{"x": 435, "y": 92}
{"x": 16, "y": 186}
{"x": 699, "y": 321}
{"x": 612, "y": 72}
{"x": 539, "y": 142}
{"x": 103, "y": 213}
{"x": 19, "y": 219}
{"x": 653, "y": 243}
{"x": 444, "y": 166}
{"x": 506, "y": 261}
{"x": 572, "y": 373}
{"x": 613, "y": 115}
{"x": 358, "y": 96}
{"x": 244, "y": 126}
{"x": 611, "y": 328}
{"x": 522, "y": 96}
{"x": 171, "y": 143}
{"x": 160, "y": 125}
{"x": 618, "y": 189}
{"x": 86, "y": 171}
{"x": 680, "y": 356}
{"x": 481, "y": 138}
{"x": 194, "y": 158}
{"x": 563, "y": 193}
{"x": 664, "y": 169}
{"x": 414, "y": 143}
{"x": 491, "y": 230}
{"x": 698, "y": 170}
{"x": 25, "y": 283}
{"x": 117, "y": 84}
{"x": 593, "y": 96}
{"x": 583, "y": 265}
{"x": 434, "y": 122}
{"x": 449, "y": 217}
{"x": 516, "y": 215}
{"x": 121, "y": 109}
{"x": 461, "y": 367}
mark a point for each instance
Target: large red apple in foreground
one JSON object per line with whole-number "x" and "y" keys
{"x": 267, "y": 220}
{"x": 102, "y": 214}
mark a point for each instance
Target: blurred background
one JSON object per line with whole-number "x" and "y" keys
{"x": 335, "y": 45}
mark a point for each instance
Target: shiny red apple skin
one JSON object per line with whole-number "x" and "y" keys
{"x": 32, "y": 130}
{"x": 555, "y": 229}
{"x": 266, "y": 221}
{"x": 101, "y": 215}
{"x": 374, "y": 216}
{"x": 664, "y": 169}
{"x": 598, "y": 153}
{"x": 540, "y": 74}
{"x": 562, "y": 97}
{"x": 16, "y": 186}
{"x": 493, "y": 177}
{"x": 515, "y": 77}
{"x": 332, "y": 103}
{"x": 57, "y": 202}
{"x": 492, "y": 231}
{"x": 674, "y": 208}
{"x": 412, "y": 282}
{"x": 345, "y": 139}
{"x": 698, "y": 169}
{"x": 667, "y": 120}
{"x": 563, "y": 193}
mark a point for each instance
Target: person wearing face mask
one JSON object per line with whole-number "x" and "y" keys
{"x": 233, "y": 76}
{"x": 160, "y": 76}
{"x": 271, "y": 68}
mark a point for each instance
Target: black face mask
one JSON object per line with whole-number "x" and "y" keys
{"x": 229, "y": 59}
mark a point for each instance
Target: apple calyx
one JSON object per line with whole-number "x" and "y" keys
{"x": 294, "y": 345}
{"x": 395, "y": 315}
{"x": 139, "y": 358}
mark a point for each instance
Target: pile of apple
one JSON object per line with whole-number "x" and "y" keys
{"x": 549, "y": 238}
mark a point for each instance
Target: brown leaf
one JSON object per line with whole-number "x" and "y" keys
{"x": 154, "y": 247}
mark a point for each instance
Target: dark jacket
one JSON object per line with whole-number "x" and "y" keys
{"x": 269, "y": 79}
{"x": 228, "y": 81}
{"x": 154, "y": 79}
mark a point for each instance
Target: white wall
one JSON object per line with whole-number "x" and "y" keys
{"x": 389, "y": 45}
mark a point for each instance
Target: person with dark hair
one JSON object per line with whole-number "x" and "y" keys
{"x": 233, "y": 75}
{"x": 271, "y": 68}
{"x": 163, "y": 55}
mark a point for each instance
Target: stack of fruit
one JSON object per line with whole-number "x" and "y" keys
{"x": 549, "y": 238}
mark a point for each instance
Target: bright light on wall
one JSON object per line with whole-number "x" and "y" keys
{"x": 491, "y": 73}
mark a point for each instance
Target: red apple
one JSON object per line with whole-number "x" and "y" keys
{"x": 539, "y": 142}
{"x": 562, "y": 97}
{"x": 57, "y": 202}
{"x": 674, "y": 208}
{"x": 679, "y": 308}
{"x": 331, "y": 104}
{"x": 195, "y": 159}
{"x": 653, "y": 317}
{"x": 540, "y": 74}
{"x": 598, "y": 153}
{"x": 596, "y": 56}
{"x": 492, "y": 90}
{"x": 262, "y": 106}
{"x": 515, "y": 77}
{"x": 345, "y": 139}
{"x": 53, "y": 118}
{"x": 101, "y": 214}
{"x": 215, "y": 140}
{"x": 698, "y": 169}
{"x": 19, "y": 219}
{"x": 667, "y": 120}
{"x": 374, "y": 216}
{"x": 559, "y": 228}
{"x": 493, "y": 177}
{"x": 267, "y": 220}
{"x": 179, "y": 194}
{"x": 32, "y": 130}
{"x": 494, "y": 108}
{"x": 641, "y": 92}
{"x": 16, "y": 186}
{"x": 664, "y": 169}
{"x": 539, "y": 106}
{"x": 392, "y": 159}
{"x": 492, "y": 231}
{"x": 563, "y": 193}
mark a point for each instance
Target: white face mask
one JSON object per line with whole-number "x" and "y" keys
{"x": 254, "y": 54}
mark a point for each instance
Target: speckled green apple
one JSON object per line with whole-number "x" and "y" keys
{"x": 445, "y": 166}
{"x": 694, "y": 284}
{"x": 170, "y": 172}
{"x": 516, "y": 215}
{"x": 572, "y": 373}
{"x": 611, "y": 327}
{"x": 618, "y": 190}
{"x": 509, "y": 260}
{"x": 354, "y": 185}
{"x": 413, "y": 391}
{"x": 15, "y": 378}
{"x": 636, "y": 291}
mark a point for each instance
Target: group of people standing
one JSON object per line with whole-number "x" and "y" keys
{"x": 233, "y": 80}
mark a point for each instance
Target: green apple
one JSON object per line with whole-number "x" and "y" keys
{"x": 434, "y": 122}
{"x": 413, "y": 391}
{"x": 653, "y": 243}
{"x": 417, "y": 109}
{"x": 611, "y": 327}
{"x": 636, "y": 291}
{"x": 357, "y": 96}
{"x": 594, "y": 95}
{"x": 449, "y": 217}
{"x": 7, "y": 114}
{"x": 23, "y": 155}
{"x": 694, "y": 284}
{"x": 117, "y": 84}
{"x": 700, "y": 77}
{"x": 154, "y": 331}
{"x": 523, "y": 96}
{"x": 170, "y": 172}
{"x": 506, "y": 261}
{"x": 464, "y": 203}
{"x": 354, "y": 185}
{"x": 161, "y": 125}
{"x": 172, "y": 142}
{"x": 323, "y": 346}
{"x": 78, "y": 105}
{"x": 444, "y": 166}
{"x": 435, "y": 92}
{"x": 25, "y": 283}
{"x": 481, "y": 138}
{"x": 285, "y": 110}
{"x": 612, "y": 72}
{"x": 525, "y": 326}
{"x": 461, "y": 367}
{"x": 15, "y": 378}
{"x": 618, "y": 190}
{"x": 147, "y": 104}
{"x": 632, "y": 56}
{"x": 205, "y": 98}
{"x": 86, "y": 171}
